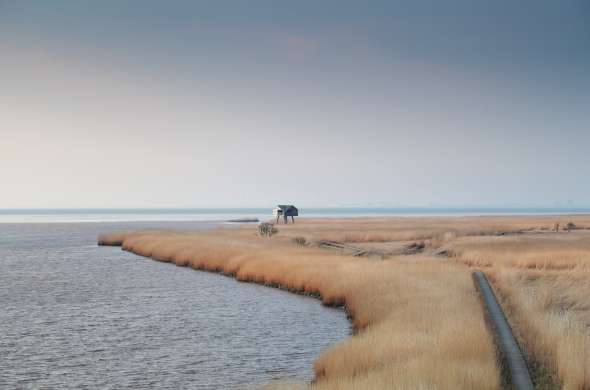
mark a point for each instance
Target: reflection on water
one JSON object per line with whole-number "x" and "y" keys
{"x": 75, "y": 315}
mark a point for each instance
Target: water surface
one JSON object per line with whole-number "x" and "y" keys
{"x": 224, "y": 214}
{"x": 75, "y": 315}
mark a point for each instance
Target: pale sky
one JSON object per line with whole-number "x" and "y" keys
{"x": 252, "y": 103}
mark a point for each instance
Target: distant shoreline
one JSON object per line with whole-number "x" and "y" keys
{"x": 262, "y": 214}
{"x": 308, "y": 210}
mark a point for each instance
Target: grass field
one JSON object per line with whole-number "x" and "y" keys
{"x": 545, "y": 283}
{"x": 418, "y": 321}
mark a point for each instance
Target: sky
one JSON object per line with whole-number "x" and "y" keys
{"x": 141, "y": 103}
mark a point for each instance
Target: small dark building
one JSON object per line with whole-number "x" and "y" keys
{"x": 285, "y": 211}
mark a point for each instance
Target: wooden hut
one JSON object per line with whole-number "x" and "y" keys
{"x": 285, "y": 210}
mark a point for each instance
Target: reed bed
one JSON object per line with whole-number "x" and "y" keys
{"x": 418, "y": 324}
{"x": 562, "y": 251}
{"x": 422, "y": 228}
{"x": 544, "y": 281}
{"x": 552, "y": 316}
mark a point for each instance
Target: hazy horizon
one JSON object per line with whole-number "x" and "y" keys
{"x": 181, "y": 104}
{"x": 314, "y": 209}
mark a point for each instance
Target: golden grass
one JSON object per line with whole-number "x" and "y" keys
{"x": 419, "y": 228}
{"x": 419, "y": 323}
{"x": 548, "y": 251}
{"x": 552, "y": 316}
{"x": 418, "y": 320}
{"x": 544, "y": 280}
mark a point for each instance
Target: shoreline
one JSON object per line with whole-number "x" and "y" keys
{"x": 310, "y": 294}
{"x": 386, "y": 293}
{"x": 17, "y": 216}
{"x": 332, "y": 278}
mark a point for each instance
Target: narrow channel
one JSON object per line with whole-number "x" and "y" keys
{"x": 77, "y": 315}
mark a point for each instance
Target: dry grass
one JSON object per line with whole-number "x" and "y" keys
{"x": 552, "y": 316}
{"x": 419, "y": 323}
{"x": 545, "y": 283}
{"x": 419, "y": 228}
{"x": 548, "y": 251}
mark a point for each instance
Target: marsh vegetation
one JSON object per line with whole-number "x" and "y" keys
{"x": 418, "y": 321}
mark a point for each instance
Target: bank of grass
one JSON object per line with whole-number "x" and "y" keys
{"x": 434, "y": 229}
{"x": 418, "y": 322}
{"x": 547, "y": 251}
{"x": 544, "y": 282}
{"x": 417, "y": 318}
{"x": 550, "y": 313}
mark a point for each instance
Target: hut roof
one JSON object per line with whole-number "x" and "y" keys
{"x": 287, "y": 209}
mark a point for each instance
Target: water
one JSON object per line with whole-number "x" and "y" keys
{"x": 74, "y": 315}
{"x": 224, "y": 214}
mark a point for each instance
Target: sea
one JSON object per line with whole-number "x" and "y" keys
{"x": 226, "y": 214}
{"x": 74, "y": 315}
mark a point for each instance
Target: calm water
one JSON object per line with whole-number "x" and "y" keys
{"x": 74, "y": 315}
{"x": 124, "y": 215}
